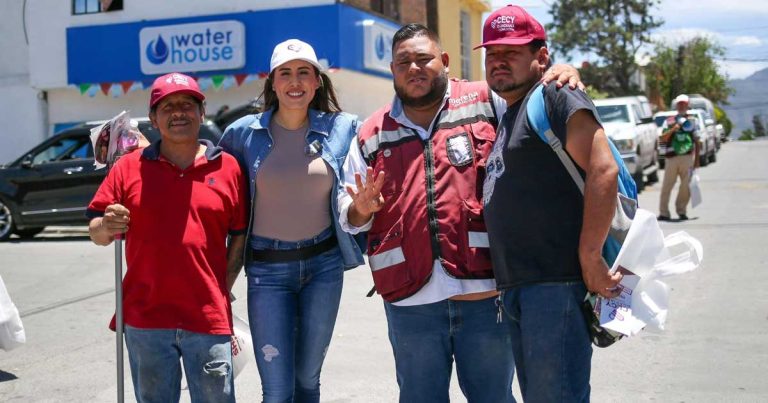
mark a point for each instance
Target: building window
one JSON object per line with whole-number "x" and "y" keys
{"x": 95, "y": 6}
{"x": 466, "y": 46}
{"x": 388, "y": 8}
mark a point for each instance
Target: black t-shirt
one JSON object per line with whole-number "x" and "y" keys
{"x": 533, "y": 209}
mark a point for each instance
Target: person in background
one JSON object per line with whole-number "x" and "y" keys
{"x": 181, "y": 198}
{"x": 296, "y": 253}
{"x": 680, "y": 140}
{"x": 414, "y": 179}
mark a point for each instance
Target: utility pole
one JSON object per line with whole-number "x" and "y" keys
{"x": 677, "y": 87}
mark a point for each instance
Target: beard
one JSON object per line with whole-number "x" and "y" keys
{"x": 509, "y": 86}
{"x": 436, "y": 92}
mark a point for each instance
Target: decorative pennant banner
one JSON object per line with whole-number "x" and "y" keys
{"x": 240, "y": 78}
{"x": 229, "y": 82}
{"x": 93, "y": 90}
{"x": 105, "y": 87}
{"x": 217, "y": 80}
{"x": 205, "y": 83}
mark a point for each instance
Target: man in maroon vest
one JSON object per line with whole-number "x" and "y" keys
{"x": 423, "y": 157}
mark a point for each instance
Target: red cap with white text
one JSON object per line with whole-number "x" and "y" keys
{"x": 511, "y": 25}
{"x": 171, "y": 84}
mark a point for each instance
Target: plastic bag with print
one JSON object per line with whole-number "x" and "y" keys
{"x": 242, "y": 346}
{"x": 645, "y": 258}
{"x": 113, "y": 139}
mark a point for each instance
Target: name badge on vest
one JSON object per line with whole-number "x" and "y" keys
{"x": 459, "y": 149}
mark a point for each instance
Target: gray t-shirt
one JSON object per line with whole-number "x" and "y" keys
{"x": 293, "y": 189}
{"x": 533, "y": 209}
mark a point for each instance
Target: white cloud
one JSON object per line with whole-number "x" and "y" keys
{"x": 736, "y": 70}
{"x": 746, "y": 41}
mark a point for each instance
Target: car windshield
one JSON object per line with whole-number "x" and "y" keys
{"x": 613, "y": 113}
{"x": 660, "y": 120}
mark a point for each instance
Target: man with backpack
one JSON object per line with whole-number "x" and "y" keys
{"x": 681, "y": 142}
{"x": 545, "y": 236}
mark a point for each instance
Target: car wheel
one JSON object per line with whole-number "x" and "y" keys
{"x": 713, "y": 158}
{"x": 6, "y": 222}
{"x": 28, "y": 232}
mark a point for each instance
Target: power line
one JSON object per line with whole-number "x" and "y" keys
{"x": 738, "y": 59}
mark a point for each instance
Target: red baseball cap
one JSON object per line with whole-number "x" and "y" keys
{"x": 174, "y": 83}
{"x": 511, "y": 25}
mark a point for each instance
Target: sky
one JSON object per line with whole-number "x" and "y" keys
{"x": 742, "y": 29}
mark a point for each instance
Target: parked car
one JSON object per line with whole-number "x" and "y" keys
{"x": 53, "y": 183}
{"x": 706, "y": 129}
{"x": 628, "y": 122}
{"x": 226, "y": 118}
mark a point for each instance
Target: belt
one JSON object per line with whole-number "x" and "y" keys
{"x": 287, "y": 255}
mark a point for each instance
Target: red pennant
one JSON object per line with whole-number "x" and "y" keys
{"x": 105, "y": 88}
{"x": 126, "y": 86}
{"x": 239, "y": 78}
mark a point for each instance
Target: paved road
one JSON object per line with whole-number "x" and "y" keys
{"x": 715, "y": 348}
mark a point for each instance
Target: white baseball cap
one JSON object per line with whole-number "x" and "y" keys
{"x": 293, "y": 49}
{"x": 681, "y": 98}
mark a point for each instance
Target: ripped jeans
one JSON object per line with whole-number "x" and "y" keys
{"x": 156, "y": 371}
{"x": 292, "y": 309}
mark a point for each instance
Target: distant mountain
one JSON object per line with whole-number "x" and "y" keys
{"x": 751, "y": 98}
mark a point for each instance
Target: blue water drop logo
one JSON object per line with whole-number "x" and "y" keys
{"x": 157, "y": 50}
{"x": 381, "y": 47}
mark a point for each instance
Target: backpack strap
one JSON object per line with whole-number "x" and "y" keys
{"x": 539, "y": 121}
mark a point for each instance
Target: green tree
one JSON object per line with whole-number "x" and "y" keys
{"x": 610, "y": 30}
{"x": 747, "y": 134}
{"x": 722, "y": 118}
{"x": 689, "y": 68}
{"x": 757, "y": 123}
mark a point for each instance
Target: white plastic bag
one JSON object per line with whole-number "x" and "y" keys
{"x": 11, "y": 330}
{"x": 242, "y": 346}
{"x": 695, "y": 189}
{"x": 645, "y": 257}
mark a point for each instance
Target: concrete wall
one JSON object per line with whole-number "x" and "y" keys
{"x": 22, "y": 111}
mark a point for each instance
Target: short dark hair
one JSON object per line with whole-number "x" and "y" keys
{"x": 413, "y": 30}
{"x": 537, "y": 44}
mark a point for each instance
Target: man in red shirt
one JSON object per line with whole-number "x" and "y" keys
{"x": 181, "y": 197}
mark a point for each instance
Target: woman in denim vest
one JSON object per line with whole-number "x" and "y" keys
{"x": 296, "y": 253}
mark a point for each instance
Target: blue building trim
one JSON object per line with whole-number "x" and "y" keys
{"x": 111, "y": 53}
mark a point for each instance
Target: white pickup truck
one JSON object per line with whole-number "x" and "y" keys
{"x": 629, "y": 123}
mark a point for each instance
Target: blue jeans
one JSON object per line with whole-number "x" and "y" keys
{"x": 156, "y": 372}
{"x": 553, "y": 353}
{"x": 427, "y": 338}
{"x": 292, "y": 309}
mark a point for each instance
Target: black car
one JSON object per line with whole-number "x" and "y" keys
{"x": 53, "y": 183}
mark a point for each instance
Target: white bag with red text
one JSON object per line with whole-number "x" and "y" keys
{"x": 11, "y": 330}
{"x": 242, "y": 346}
{"x": 646, "y": 257}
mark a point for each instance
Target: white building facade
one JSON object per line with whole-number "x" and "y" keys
{"x": 63, "y": 65}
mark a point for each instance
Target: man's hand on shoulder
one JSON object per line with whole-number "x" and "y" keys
{"x": 563, "y": 74}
